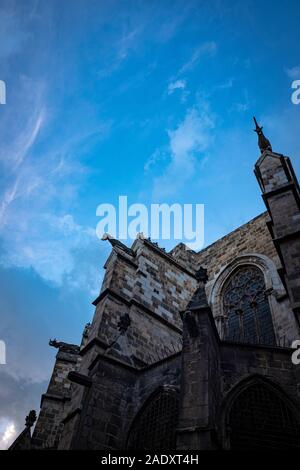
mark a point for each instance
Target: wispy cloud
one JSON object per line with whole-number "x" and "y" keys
{"x": 172, "y": 22}
{"x": 9, "y": 196}
{"x": 125, "y": 41}
{"x": 37, "y": 237}
{"x": 29, "y": 139}
{"x": 208, "y": 48}
{"x": 176, "y": 85}
{"x": 18, "y": 136}
{"x": 156, "y": 157}
{"x": 133, "y": 27}
{"x": 37, "y": 229}
{"x": 46, "y": 243}
{"x": 13, "y": 33}
{"x": 19, "y": 133}
{"x": 225, "y": 85}
{"x": 293, "y": 72}
{"x": 186, "y": 143}
{"x": 243, "y": 105}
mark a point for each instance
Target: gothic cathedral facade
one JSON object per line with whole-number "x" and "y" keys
{"x": 189, "y": 350}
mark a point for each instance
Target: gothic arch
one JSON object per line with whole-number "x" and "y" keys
{"x": 273, "y": 285}
{"x": 154, "y": 426}
{"x": 258, "y": 414}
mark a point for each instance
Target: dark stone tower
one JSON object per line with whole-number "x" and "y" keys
{"x": 281, "y": 194}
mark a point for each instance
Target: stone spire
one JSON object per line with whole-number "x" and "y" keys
{"x": 263, "y": 142}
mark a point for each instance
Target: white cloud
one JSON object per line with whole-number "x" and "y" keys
{"x": 189, "y": 140}
{"x": 45, "y": 242}
{"x": 17, "y": 155}
{"x": 29, "y": 138}
{"x": 177, "y": 85}
{"x": 119, "y": 50}
{"x": 293, "y": 72}
{"x": 8, "y": 197}
{"x": 155, "y": 157}
{"x": 127, "y": 42}
{"x": 19, "y": 132}
{"x": 7, "y": 433}
{"x": 18, "y": 135}
{"x": 132, "y": 27}
{"x": 55, "y": 246}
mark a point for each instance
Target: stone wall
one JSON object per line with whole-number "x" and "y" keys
{"x": 115, "y": 397}
{"x": 249, "y": 244}
{"x": 54, "y": 402}
{"x": 241, "y": 364}
{"x": 252, "y": 237}
{"x": 152, "y": 289}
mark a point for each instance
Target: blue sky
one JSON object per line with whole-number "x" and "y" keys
{"x": 149, "y": 99}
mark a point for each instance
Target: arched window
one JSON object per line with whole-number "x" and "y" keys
{"x": 260, "y": 419}
{"x": 154, "y": 428}
{"x": 246, "y": 308}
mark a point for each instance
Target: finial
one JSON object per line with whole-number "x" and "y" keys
{"x": 263, "y": 142}
{"x": 199, "y": 299}
{"x": 30, "y": 419}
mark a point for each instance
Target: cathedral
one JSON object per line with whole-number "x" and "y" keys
{"x": 188, "y": 350}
